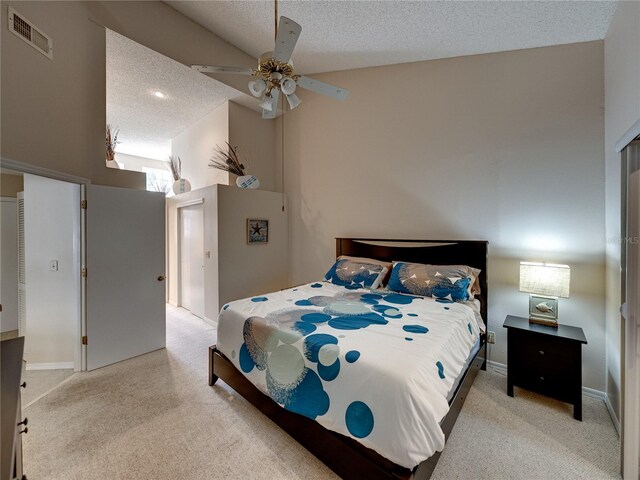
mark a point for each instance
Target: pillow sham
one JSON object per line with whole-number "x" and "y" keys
{"x": 353, "y": 272}
{"x": 447, "y": 282}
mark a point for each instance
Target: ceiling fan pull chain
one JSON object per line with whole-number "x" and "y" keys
{"x": 275, "y": 36}
{"x": 284, "y": 108}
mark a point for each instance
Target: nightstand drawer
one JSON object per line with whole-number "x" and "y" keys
{"x": 544, "y": 355}
{"x": 551, "y": 386}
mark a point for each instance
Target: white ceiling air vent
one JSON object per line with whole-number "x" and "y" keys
{"x": 31, "y": 34}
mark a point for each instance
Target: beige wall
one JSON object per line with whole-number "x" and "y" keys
{"x": 10, "y": 185}
{"x": 54, "y": 111}
{"x": 255, "y": 139}
{"x": 248, "y": 270}
{"x": 235, "y": 269}
{"x": 507, "y": 147}
{"x": 622, "y": 109}
{"x": 196, "y": 145}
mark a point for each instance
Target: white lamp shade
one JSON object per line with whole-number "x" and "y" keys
{"x": 288, "y": 86}
{"x": 257, "y": 87}
{"x": 293, "y": 100}
{"x": 545, "y": 279}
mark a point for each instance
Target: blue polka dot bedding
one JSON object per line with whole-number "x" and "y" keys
{"x": 375, "y": 365}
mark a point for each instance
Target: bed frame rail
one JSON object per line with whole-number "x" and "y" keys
{"x": 343, "y": 455}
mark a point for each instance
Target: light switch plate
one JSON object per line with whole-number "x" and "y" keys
{"x": 53, "y": 265}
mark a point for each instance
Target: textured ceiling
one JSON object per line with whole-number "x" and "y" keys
{"x": 340, "y": 35}
{"x": 148, "y": 123}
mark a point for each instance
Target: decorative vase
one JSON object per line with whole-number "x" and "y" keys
{"x": 112, "y": 164}
{"x": 181, "y": 186}
{"x": 248, "y": 181}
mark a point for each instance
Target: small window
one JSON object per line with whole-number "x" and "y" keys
{"x": 158, "y": 180}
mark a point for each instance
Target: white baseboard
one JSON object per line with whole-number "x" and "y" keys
{"x": 501, "y": 368}
{"x": 50, "y": 366}
{"x": 213, "y": 323}
{"x": 612, "y": 414}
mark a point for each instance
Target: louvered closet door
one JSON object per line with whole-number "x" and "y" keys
{"x": 125, "y": 261}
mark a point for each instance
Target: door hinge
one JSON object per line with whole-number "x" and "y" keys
{"x": 85, "y": 340}
{"x": 83, "y": 204}
{"x": 83, "y": 272}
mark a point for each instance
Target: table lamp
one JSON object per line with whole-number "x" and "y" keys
{"x": 544, "y": 282}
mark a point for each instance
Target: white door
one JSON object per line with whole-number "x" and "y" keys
{"x": 192, "y": 259}
{"x": 125, "y": 261}
{"x": 631, "y": 313}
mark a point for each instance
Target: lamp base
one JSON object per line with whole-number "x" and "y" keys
{"x": 544, "y": 321}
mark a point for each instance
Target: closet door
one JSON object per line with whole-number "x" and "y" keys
{"x": 631, "y": 314}
{"x": 125, "y": 262}
{"x": 192, "y": 259}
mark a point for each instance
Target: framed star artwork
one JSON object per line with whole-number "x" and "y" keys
{"x": 257, "y": 231}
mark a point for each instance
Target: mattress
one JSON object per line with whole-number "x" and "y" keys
{"x": 377, "y": 367}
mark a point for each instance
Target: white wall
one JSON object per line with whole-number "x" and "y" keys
{"x": 196, "y": 145}
{"x": 9, "y": 265}
{"x": 136, "y": 163}
{"x": 507, "y": 147}
{"x": 622, "y": 109}
{"x": 235, "y": 269}
{"x": 52, "y": 232}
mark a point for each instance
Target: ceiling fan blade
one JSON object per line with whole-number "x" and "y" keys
{"x": 288, "y": 34}
{"x": 323, "y": 88}
{"x": 269, "y": 114}
{"x": 215, "y": 69}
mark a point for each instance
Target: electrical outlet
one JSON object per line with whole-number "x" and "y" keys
{"x": 491, "y": 337}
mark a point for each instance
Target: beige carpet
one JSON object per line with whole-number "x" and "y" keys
{"x": 155, "y": 417}
{"x": 39, "y": 382}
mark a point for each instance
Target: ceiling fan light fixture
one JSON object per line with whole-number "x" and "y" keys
{"x": 288, "y": 86}
{"x": 257, "y": 87}
{"x": 293, "y": 100}
{"x": 267, "y": 103}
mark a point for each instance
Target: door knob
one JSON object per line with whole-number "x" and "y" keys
{"x": 161, "y": 278}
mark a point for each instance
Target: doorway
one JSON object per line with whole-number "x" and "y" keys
{"x": 191, "y": 276}
{"x": 41, "y": 277}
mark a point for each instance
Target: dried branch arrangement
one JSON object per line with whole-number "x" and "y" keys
{"x": 175, "y": 164}
{"x": 111, "y": 140}
{"x": 226, "y": 159}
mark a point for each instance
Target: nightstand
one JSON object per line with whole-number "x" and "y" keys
{"x": 546, "y": 360}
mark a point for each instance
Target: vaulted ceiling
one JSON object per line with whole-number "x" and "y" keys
{"x": 152, "y": 98}
{"x": 340, "y": 35}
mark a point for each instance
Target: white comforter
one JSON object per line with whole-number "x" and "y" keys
{"x": 376, "y": 367}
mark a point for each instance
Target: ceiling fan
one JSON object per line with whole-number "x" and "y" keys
{"x": 275, "y": 72}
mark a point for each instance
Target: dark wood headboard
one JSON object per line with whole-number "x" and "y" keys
{"x": 434, "y": 252}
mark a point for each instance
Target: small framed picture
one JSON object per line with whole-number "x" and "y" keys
{"x": 257, "y": 230}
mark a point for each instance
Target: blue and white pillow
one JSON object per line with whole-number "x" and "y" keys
{"x": 356, "y": 274}
{"x": 445, "y": 282}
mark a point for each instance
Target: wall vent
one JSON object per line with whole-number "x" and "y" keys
{"x": 31, "y": 34}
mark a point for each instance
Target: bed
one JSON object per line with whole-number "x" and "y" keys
{"x": 343, "y": 397}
